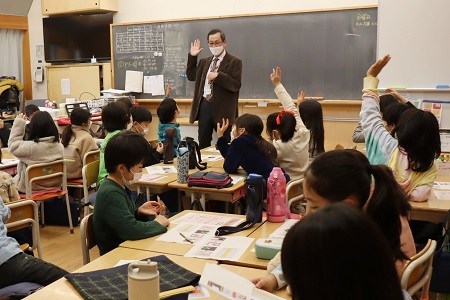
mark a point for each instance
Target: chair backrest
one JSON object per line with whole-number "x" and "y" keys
{"x": 91, "y": 156}
{"x": 72, "y": 106}
{"x": 87, "y": 237}
{"x": 417, "y": 271}
{"x": 294, "y": 191}
{"x": 46, "y": 173}
{"x": 23, "y": 214}
{"x": 90, "y": 176}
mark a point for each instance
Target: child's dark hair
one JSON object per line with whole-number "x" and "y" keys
{"x": 312, "y": 116}
{"x": 417, "y": 132}
{"x": 126, "y": 147}
{"x": 30, "y": 109}
{"x": 126, "y": 101}
{"x": 166, "y": 110}
{"x": 140, "y": 114}
{"x": 42, "y": 125}
{"x": 115, "y": 116}
{"x": 284, "y": 122}
{"x": 347, "y": 174}
{"x": 386, "y": 100}
{"x": 343, "y": 255}
{"x": 78, "y": 116}
{"x": 393, "y": 112}
{"x": 254, "y": 126}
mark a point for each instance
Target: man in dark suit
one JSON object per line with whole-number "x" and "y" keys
{"x": 217, "y": 83}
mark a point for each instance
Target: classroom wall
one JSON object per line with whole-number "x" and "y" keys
{"x": 144, "y": 10}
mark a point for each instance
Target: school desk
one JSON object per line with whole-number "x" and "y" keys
{"x": 151, "y": 244}
{"x": 62, "y": 289}
{"x": 249, "y": 259}
{"x": 230, "y": 194}
{"x": 432, "y": 210}
{"x": 8, "y": 167}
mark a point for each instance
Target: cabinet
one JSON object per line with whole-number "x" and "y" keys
{"x": 55, "y": 7}
{"x": 70, "y": 81}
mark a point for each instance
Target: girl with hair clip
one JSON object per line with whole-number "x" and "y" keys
{"x": 346, "y": 176}
{"x": 248, "y": 149}
{"x": 343, "y": 256}
{"x": 312, "y": 115}
{"x": 42, "y": 146}
{"x": 77, "y": 141}
{"x": 288, "y": 133}
{"x": 411, "y": 156}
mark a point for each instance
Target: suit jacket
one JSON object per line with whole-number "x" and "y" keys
{"x": 225, "y": 87}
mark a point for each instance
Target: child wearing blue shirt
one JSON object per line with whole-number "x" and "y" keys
{"x": 168, "y": 112}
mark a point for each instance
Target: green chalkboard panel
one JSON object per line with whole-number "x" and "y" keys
{"x": 324, "y": 53}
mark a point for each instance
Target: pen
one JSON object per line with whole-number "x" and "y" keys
{"x": 189, "y": 240}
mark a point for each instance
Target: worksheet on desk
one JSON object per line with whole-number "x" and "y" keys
{"x": 283, "y": 229}
{"x": 442, "y": 195}
{"x": 209, "y": 219}
{"x": 221, "y": 248}
{"x": 161, "y": 169}
{"x": 186, "y": 233}
{"x": 231, "y": 285}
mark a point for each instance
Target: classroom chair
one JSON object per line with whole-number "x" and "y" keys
{"x": 88, "y": 158}
{"x": 87, "y": 237}
{"x": 417, "y": 271}
{"x": 294, "y": 191}
{"x": 24, "y": 213}
{"x": 45, "y": 172}
{"x": 90, "y": 176}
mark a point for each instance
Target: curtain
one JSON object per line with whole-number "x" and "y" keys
{"x": 11, "y": 45}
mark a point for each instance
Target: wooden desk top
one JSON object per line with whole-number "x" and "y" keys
{"x": 62, "y": 289}
{"x": 249, "y": 259}
{"x": 151, "y": 244}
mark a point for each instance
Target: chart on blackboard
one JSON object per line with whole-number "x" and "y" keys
{"x": 324, "y": 53}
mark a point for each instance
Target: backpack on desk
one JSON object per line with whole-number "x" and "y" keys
{"x": 211, "y": 179}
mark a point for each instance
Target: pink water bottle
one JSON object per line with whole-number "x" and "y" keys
{"x": 276, "y": 196}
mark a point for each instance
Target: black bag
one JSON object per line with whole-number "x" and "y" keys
{"x": 211, "y": 179}
{"x": 254, "y": 195}
{"x": 195, "y": 158}
{"x": 440, "y": 278}
{"x": 55, "y": 212}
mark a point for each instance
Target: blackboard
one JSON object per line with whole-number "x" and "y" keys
{"x": 324, "y": 53}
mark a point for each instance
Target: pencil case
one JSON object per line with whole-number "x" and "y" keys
{"x": 267, "y": 248}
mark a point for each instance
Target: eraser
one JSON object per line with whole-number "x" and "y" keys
{"x": 442, "y": 86}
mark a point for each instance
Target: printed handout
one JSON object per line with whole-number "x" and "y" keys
{"x": 161, "y": 169}
{"x": 283, "y": 229}
{"x": 220, "y": 248}
{"x": 231, "y": 285}
{"x": 193, "y": 232}
{"x": 151, "y": 177}
{"x": 209, "y": 219}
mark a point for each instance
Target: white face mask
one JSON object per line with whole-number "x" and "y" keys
{"x": 144, "y": 130}
{"x": 232, "y": 133}
{"x": 216, "y": 50}
{"x": 136, "y": 178}
{"x": 129, "y": 125}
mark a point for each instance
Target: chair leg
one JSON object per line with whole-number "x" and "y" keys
{"x": 42, "y": 214}
{"x": 69, "y": 213}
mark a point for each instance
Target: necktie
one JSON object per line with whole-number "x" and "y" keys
{"x": 213, "y": 69}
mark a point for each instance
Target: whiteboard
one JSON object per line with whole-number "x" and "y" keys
{"x": 416, "y": 34}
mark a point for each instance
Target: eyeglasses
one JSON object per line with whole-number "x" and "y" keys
{"x": 215, "y": 44}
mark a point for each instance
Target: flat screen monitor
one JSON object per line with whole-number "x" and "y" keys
{"x": 77, "y": 38}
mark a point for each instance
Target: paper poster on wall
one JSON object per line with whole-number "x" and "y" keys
{"x": 154, "y": 85}
{"x": 65, "y": 86}
{"x": 434, "y": 108}
{"x": 133, "y": 81}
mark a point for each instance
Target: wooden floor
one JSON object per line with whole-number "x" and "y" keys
{"x": 63, "y": 249}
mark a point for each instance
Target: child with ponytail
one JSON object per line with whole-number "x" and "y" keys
{"x": 77, "y": 141}
{"x": 417, "y": 144}
{"x": 346, "y": 176}
{"x": 248, "y": 149}
{"x": 288, "y": 133}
